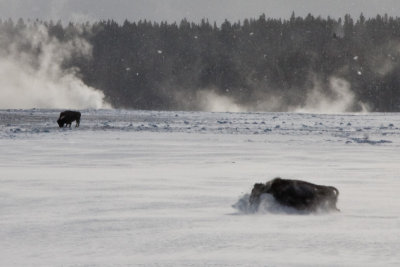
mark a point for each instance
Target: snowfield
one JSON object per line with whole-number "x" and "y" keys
{"x": 146, "y": 188}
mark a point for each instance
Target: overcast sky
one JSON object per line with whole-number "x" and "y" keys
{"x": 193, "y": 10}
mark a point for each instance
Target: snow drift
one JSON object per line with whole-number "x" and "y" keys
{"x": 147, "y": 188}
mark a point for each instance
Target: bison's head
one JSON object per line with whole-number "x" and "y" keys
{"x": 258, "y": 189}
{"x": 60, "y": 122}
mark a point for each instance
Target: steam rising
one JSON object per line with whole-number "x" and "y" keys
{"x": 211, "y": 101}
{"x": 339, "y": 98}
{"x": 336, "y": 97}
{"x": 32, "y": 76}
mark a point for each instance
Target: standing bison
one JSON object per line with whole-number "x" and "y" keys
{"x": 297, "y": 194}
{"x": 67, "y": 117}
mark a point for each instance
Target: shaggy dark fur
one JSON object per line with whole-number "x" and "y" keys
{"x": 298, "y": 194}
{"x": 67, "y": 117}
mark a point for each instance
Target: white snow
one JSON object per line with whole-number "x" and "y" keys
{"x": 146, "y": 188}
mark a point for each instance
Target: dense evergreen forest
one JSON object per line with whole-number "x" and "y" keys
{"x": 262, "y": 63}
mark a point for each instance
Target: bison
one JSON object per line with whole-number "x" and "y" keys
{"x": 301, "y": 195}
{"x": 67, "y": 117}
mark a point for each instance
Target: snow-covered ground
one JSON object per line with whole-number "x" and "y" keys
{"x": 142, "y": 188}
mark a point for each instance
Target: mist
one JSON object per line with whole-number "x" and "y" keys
{"x": 332, "y": 98}
{"x": 32, "y": 74}
{"x": 339, "y": 98}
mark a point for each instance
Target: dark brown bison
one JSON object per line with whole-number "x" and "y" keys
{"x": 67, "y": 117}
{"x": 297, "y": 194}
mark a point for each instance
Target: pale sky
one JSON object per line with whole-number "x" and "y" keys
{"x": 193, "y": 10}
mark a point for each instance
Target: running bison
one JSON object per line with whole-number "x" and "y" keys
{"x": 297, "y": 194}
{"x": 67, "y": 117}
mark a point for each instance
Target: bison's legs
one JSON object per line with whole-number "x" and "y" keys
{"x": 77, "y": 123}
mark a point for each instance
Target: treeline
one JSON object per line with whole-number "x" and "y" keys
{"x": 147, "y": 65}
